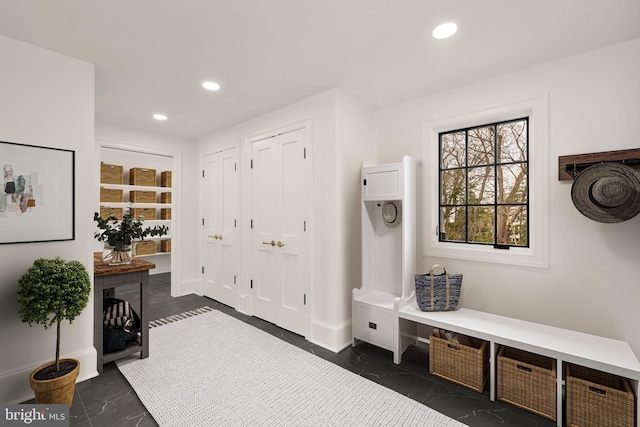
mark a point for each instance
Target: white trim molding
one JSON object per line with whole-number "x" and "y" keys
{"x": 537, "y": 254}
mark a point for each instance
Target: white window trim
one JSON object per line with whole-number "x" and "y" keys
{"x": 537, "y": 254}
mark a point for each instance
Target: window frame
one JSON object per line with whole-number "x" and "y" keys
{"x": 537, "y": 254}
{"x": 467, "y": 170}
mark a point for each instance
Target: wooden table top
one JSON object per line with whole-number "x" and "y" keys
{"x": 101, "y": 269}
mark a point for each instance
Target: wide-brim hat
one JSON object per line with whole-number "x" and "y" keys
{"x": 607, "y": 192}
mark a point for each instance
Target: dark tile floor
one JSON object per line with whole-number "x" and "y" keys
{"x": 109, "y": 400}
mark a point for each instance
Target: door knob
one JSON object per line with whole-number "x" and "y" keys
{"x": 218, "y": 236}
{"x": 272, "y": 243}
{"x": 280, "y": 244}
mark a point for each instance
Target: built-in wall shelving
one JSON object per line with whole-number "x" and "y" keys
{"x": 129, "y": 158}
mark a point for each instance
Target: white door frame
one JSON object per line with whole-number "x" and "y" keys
{"x": 177, "y": 201}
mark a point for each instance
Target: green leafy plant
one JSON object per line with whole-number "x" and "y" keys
{"x": 53, "y": 290}
{"x": 120, "y": 234}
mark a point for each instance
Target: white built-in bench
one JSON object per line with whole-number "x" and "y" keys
{"x": 604, "y": 354}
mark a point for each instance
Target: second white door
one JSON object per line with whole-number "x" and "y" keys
{"x": 221, "y": 252}
{"x": 280, "y": 243}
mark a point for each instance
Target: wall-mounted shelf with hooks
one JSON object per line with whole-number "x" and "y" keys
{"x": 570, "y": 166}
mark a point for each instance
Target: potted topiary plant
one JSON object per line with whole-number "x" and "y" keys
{"x": 119, "y": 236}
{"x": 53, "y": 290}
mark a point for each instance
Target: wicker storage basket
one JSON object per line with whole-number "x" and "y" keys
{"x": 148, "y": 214}
{"x": 528, "y": 381}
{"x": 111, "y": 174}
{"x": 461, "y": 364}
{"x": 165, "y": 245}
{"x": 111, "y": 195}
{"x": 165, "y": 179}
{"x": 145, "y": 247}
{"x": 598, "y": 399}
{"x": 137, "y": 196}
{"x": 142, "y": 176}
{"x": 165, "y": 213}
{"x": 107, "y": 211}
{"x": 165, "y": 197}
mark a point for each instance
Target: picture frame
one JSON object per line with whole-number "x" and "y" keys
{"x": 37, "y": 193}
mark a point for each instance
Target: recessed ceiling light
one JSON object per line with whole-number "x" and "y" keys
{"x": 211, "y": 85}
{"x": 443, "y": 31}
{"x": 160, "y": 117}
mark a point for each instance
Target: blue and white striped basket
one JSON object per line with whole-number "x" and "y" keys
{"x": 438, "y": 292}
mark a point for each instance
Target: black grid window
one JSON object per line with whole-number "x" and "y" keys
{"x": 484, "y": 184}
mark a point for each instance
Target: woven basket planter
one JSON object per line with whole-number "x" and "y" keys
{"x": 58, "y": 390}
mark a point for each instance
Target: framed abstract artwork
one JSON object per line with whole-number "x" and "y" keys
{"x": 37, "y": 194}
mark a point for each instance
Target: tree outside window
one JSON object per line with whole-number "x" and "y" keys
{"x": 484, "y": 184}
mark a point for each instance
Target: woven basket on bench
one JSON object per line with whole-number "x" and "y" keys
{"x": 596, "y": 399}
{"x": 461, "y": 364}
{"x": 528, "y": 381}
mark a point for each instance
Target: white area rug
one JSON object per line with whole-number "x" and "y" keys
{"x": 213, "y": 370}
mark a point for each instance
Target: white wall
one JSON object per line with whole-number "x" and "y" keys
{"x": 184, "y": 244}
{"x": 592, "y": 281}
{"x": 47, "y": 100}
{"x": 355, "y": 141}
{"x": 335, "y": 120}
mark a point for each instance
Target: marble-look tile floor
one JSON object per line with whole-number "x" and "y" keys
{"x": 109, "y": 400}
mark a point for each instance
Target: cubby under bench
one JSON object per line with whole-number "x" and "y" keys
{"x": 603, "y": 354}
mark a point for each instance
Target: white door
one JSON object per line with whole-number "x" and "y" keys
{"x": 280, "y": 242}
{"x": 222, "y": 201}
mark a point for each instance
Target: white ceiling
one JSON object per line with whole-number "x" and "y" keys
{"x": 152, "y": 55}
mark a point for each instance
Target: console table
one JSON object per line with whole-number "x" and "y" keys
{"x": 563, "y": 345}
{"x": 108, "y": 277}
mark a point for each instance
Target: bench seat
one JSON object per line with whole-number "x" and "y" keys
{"x": 604, "y": 354}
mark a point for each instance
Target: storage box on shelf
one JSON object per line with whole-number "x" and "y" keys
{"x": 107, "y": 211}
{"x": 528, "y": 381}
{"x": 142, "y": 176}
{"x": 111, "y": 174}
{"x": 165, "y": 245}
{"x": 595, "y": 398}
{"x": 145, "y": 247}
{"x": 165, "y": 179}
{"x": 165, "y": 197}
{"x": 112, "y": 195}
{"x": 138, "y": 196}
{"x": 147, "y": 214}
{"x": 165, "y": 213}
{"x": 462, "y": 364}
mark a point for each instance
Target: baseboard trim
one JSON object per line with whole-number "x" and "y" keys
{"x": 186, "y": 287}
{"x": 14, "y": 385}
{"x": 332, "y": 337}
